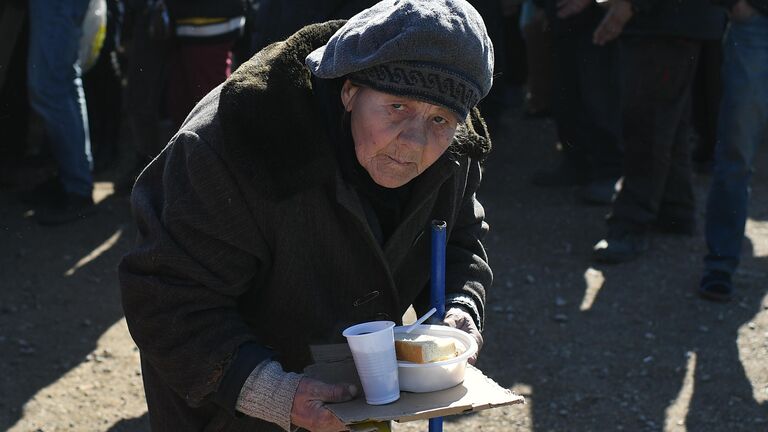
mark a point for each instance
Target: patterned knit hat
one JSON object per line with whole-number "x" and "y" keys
{"x": 437, "y": 51}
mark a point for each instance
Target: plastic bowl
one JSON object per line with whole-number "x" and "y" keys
{"x": 440, "y": 375}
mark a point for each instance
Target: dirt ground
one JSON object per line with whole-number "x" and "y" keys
{"x": 592, "y": 348}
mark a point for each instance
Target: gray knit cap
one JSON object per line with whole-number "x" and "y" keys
{"x": 437, "y": 51}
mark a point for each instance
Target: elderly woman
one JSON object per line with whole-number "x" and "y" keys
{"x": 296, "y": 200}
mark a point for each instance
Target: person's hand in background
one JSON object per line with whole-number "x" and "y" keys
{"x": 567, "y": 8}
{"x": 460, "y": 319}
{"x": 309, "y": 411}
{"x": 742, "y": 11}
{"x": 616, "y": 17}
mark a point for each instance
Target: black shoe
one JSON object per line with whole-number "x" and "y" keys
{"x": 560, "y": 177}
{"x": 49, "y": 193}
{"x": 620, "y": 245}
{"x": 599, "y": 192}
{"x": 75, "y": 207}
{"x": 716, "y": 286}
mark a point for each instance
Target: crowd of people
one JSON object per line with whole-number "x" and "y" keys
{"x": 635, "y": 83}
{"x": 642, "y": 93}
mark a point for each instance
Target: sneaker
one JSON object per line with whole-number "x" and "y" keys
{"x": 620, "y": 246}
{"x": 716, "y": 286}
{"x": 599, "y": 192}
{"x": 74, "y": 208}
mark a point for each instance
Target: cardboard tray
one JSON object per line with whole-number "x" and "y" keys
{"x": 334, "y": 364}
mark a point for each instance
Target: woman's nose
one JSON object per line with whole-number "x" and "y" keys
{"x": 414, "y": 133}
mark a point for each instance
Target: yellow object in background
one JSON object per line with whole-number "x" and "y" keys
{"x": 94, "y": 33}
{"x": 371, "y": 427}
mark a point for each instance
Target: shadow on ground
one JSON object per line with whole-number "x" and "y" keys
{"x": 625, "y": 347}
{"x": 58, "y": 295}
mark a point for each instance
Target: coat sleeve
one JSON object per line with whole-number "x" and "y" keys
{"x": 199, "y": 249}
{"x": 468, "y": 274}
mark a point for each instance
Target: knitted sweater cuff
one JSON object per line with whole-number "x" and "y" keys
{"x": 268, "y": 394}
{"x": 468, "y": 304}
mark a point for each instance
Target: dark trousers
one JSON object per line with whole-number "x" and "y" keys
{"x": 657, "y": 168}
{"x": 539, "y": 52}
{"x": 195, "y": 69}
{"x": 146, "y": 87}
{"x": 707, "y": 87}
{"x": 587, "y": 103}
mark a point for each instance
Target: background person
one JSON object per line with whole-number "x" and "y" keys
{"x": 660, "y": 43}
{"x": 56, "y": 95}
{"x": 586, "y": 103}
{"x": 741, "y": 127}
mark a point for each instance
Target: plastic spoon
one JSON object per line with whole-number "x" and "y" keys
{"x": 420, "y": 320}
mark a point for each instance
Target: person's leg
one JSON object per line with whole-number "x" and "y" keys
{"x": 706, "y": 103}
{"x": 602, "y": 123}
{"x": 56, "y": 91}
{"x": 600, "y": 95}
{"x": 494, "y": 104}
{"x": 742, "y": 125}
{"x": 567, "y": 112}
{"x": 587, "y": 102}
{"x": 676, "y": 213}
{"x": 146, "y": 84}
{"x": 658, "y": 78}
{"x": 659, "y": 73}
{"x": 197, "y": 69}
{"x": 539, "y": 52}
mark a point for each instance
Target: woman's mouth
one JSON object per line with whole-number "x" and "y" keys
{"x": 398, "y": 161}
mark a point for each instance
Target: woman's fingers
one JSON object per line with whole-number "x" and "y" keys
{"x": 309, "y": 411}
{"x": 462, "y": 320}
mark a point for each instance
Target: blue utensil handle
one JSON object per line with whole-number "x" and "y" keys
{"x": 437, "y": 289}
{"x": 437, "y": 269}
{"x": 436, "y": 424}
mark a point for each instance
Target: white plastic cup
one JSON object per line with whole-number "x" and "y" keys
{"x": 373, "y": 348}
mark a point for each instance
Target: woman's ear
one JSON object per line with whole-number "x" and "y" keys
{"x": 348, "y": 92}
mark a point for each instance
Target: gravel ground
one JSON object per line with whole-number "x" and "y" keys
{"x": 593, "y": 348}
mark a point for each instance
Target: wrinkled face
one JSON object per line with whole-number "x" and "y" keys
{"x": 396, "y": 138}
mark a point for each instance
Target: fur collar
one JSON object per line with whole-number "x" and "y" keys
{"x": 272, "y": 129}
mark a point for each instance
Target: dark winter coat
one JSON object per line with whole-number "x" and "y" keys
{"x": 252, "y": 246}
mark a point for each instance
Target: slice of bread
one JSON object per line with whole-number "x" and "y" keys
{"x": 424, "y": 348}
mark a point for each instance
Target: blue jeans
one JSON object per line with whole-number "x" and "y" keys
{"x": 742, "y": 126}
{"x": 56, "y": 89}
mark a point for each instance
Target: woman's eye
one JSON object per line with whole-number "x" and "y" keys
{"x": 398, "y": 107}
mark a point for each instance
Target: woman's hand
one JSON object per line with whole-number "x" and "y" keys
{"x": 309, "y": 411}
{"x": 460, "y": 319}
